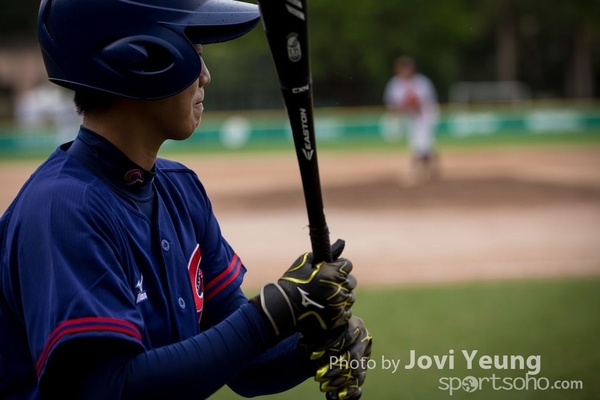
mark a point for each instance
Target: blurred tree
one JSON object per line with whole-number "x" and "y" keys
{"x": 354, "y": 44}
{"x": 581, "y": 82}
{"x": 500, "y": 20}
{"x": 554, "y": 48}
{"x": 578, "y": 22}
{"x": 18, "y": 20}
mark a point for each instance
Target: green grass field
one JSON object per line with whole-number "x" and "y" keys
{"x": 557, "y": 320}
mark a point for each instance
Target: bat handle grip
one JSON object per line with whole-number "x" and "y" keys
{"x": 321, "y": 246}
{"x": 322, "y": 252}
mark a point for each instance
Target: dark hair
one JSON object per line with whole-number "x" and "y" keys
{"x": 87, "y": 100}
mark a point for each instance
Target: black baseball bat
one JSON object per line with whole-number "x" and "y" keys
{"x": 285, "y": 23}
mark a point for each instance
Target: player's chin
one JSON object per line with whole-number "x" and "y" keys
{"x": 184, "y": 132}
{"x": 194, "y": 122}
{"x": 197, "y": 114}
{"x": 192, "y": 129}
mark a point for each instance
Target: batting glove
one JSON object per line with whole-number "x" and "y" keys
{"x": 310, "y": 298}
{"x": 343, "y": 365}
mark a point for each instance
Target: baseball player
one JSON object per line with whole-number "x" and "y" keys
{"x": 115, "y": 280}
{"x": 411, "y": 93}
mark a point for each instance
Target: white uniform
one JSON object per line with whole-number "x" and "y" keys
{"x": 424, "y": 119}
{"x": 52, "y": 104}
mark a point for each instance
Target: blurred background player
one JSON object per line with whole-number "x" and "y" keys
{"x": 115, "y": 279}
{"x": 48, "y": 105}
{"x": 411, "y": 94}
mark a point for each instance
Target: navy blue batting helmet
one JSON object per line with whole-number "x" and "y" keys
{"x": 141, "y": 49}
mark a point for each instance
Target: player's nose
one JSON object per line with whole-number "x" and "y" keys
{"x": 204, "y": 75}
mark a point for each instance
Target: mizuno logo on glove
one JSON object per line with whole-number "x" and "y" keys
{"x": 306, "y": 301}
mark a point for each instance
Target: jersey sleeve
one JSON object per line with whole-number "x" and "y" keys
{"x": 222, "y": 268}
{"x": 388, "y": 94}
{"x": 394, "y": 92}
{"x": 65, "y": 277}
{"x": 281, "y": 368}
{"x": 429, "y": 93}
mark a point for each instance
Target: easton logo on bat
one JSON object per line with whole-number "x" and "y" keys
{"x": 308, "y": 148}
{"x": 297, "y": 12}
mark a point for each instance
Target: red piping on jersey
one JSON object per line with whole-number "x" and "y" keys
{"x": 85, "y": 325}
{"x": 235, "y": 263}
{"x": 196, "y": 279}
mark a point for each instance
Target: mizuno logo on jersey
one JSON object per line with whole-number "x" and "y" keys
{"x": 141, "y": 293}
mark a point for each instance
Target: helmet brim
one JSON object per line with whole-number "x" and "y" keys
{"x": 217, "y": 21}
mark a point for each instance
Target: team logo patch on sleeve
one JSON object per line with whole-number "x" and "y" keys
{"x": 197, "y": 280}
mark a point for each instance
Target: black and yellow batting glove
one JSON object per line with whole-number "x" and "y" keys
{"x": 343, "y": 365}
{"x": 310, "y": 298}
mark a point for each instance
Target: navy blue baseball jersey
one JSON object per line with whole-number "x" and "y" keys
{"x": 95, "y": 247}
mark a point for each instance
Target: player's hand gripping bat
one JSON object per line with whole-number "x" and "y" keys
{"x": 286, "y": 26}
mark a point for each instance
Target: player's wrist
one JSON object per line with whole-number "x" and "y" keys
{"x": 319, "y": 346}
{"x": 276, "y": 310}
{"x": 310, "y": 298}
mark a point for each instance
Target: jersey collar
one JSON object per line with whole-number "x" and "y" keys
{"x": 106, "y": 160}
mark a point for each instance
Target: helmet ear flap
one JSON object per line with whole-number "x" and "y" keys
{"x": 140, "y": 55}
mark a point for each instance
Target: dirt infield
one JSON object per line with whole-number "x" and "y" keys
{"x": 504, "y": 213}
